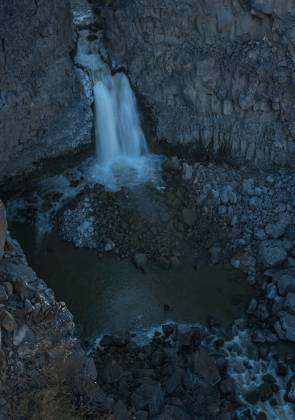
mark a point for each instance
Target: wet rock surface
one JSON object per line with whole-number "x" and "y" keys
{"x": 186, "y": 372}
{"x": 172, "y": 376}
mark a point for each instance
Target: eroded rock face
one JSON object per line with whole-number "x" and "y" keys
{"x": 217, "y": 74}
{"x": 44, "y": 111}
{"x": 39, "y": 349}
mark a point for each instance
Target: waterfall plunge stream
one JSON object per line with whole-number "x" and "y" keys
{"x": 122, "y": 154}
{"x": 118, "y": 131}
{"x": 123, "y": 157}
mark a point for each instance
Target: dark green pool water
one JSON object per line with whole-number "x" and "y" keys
{"x": 109, "y": 294}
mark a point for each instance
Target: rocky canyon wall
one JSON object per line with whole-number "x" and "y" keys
{"x": 219, "y": 75}
{"x": 43, "y": 109}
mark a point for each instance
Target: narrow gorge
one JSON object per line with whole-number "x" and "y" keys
{"x": 147, "y": 209}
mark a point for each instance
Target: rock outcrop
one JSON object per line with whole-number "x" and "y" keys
{"x": 44, "y": 372}
{"x": 44, "y": 111}
{"x": 218, "y": 75}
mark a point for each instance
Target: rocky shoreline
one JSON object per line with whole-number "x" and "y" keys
{"x": 159, "y": 378}
{"x": 185, "y": 372}
{"x": 250, "y": 214}
{"x": 43, "y": 366}
{"x": 155, "y": 380}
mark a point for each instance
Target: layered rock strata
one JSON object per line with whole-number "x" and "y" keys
{"x": 218, "y": 76}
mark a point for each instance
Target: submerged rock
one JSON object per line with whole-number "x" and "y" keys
{"x": 140, "y": 261}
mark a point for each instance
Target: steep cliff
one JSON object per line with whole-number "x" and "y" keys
{"x": 217, "y": 74}
{"x": 44, "y": 372}
{"x": 43, "y": 109}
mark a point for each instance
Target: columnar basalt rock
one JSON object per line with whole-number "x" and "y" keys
{"x": 44, "y": 111}
{"x": 218, "y": 75}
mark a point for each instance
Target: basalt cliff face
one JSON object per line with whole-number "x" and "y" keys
{"x": 218, "y": 75}
{"x": 43, "y": 109}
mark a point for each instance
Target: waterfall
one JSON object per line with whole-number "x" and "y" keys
{"x": 118, "y": 130}
{"x": 122, "y": 156}
{"x": 121, "y": 149}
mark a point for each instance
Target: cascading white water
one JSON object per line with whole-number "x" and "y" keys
{"x": 118, "y": 130}
{"x": 123, "y": 157}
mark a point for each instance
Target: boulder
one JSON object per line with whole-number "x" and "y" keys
{"x": 276, "y": 230}
{"x": 174, "y": 381}
{"x": 286, "y": 283}
{"x": 140, "y": 261}
{"x": 272, "y": 253}
{"x": 148, "y": 396}
{"x": 290, "y": 303}
{"x": 290, "y": 393}
{"x": 20, "y": 334}
{"x": 227, "y": 386}
{"x": 173, "y": 412}
{"x": 204, "y": 367}
{"x": 271, "y": 291}
{"x": 245, "y": 263}
{"x": 3, "y": 294}
{"x": 285, "y": 327}
{"x": 215, "y": 254}
{"x": 259, "y": 234}
{"x": 189, "y": 217}
{"x": 172, "y": 164}
{"x": 141, "y": 415}
{"x": 187, "y": 172}
{"x": 3, "y": 228}
{"x": 109, "y": 246}
{"x": 8, "y": 321}
{"x": 120, "y": 411}
{"x": 112, "y": 372}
